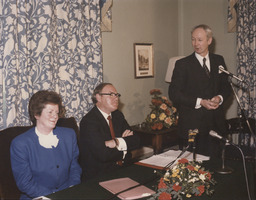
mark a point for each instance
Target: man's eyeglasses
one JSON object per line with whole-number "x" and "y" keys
{"x": 112, "y": 94}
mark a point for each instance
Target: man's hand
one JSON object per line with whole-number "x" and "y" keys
{"x": 216, "y": 99}
{"x": 210, "y": 104}
{"x": 127, "y": 133}
{"x": 110, "y": 143}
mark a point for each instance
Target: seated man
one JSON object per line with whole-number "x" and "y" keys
{"x": 102, "y": 149}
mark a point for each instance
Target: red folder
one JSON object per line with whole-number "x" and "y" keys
{"x": 118, "y": 185}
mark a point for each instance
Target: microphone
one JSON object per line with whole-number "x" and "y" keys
{"x": 221, "y": 68}
{"x": 216, "y": 135}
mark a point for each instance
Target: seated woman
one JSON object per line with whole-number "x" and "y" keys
{"x": 44, "y": 159}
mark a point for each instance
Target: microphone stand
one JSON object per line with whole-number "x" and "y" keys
{"x": 224, "y": 169}
{"x": 242, "y": 110}
{"x": 194, "y": 151}
{"x": 244, "y": 115}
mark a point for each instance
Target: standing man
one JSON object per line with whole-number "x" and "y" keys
{"x": 103, "y": 149}
{"x": 199, "y": 90}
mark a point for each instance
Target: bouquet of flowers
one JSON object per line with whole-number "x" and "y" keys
{"x": 184, "y": 179}
{"x": 163, "y": 114}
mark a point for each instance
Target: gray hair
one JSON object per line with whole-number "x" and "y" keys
{"x": 207, "y": 29}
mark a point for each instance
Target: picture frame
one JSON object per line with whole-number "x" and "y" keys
{"x": 144, "y": 60}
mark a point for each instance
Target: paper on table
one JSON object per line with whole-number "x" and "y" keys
{"x": 161, "y": 160}
{"x": 116, "y": 186}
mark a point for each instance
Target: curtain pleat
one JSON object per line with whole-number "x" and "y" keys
{"x": 48, "y": 45}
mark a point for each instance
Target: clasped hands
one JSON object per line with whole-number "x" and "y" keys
{"x": 114, "y": 142}
{"x": 211, "y": 104}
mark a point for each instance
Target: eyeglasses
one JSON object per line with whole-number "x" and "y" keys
{"x": 112, "y": 94}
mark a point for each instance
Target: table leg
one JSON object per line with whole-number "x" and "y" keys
{"x": 157, "y": 144}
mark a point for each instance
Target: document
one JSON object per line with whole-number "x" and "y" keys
{"x": 116, "y": 186}
{"x": 163, "y": 159}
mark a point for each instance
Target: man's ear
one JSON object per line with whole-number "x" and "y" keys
{"x": 98, "y": 97}
{"x": 209, "y": 40}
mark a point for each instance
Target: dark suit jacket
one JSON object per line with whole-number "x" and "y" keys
{"x": 96, "y": 158}
{"x": 189, "y": 81}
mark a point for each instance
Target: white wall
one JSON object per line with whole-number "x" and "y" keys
{"x": 166, "y": 24}
{"x": 139, "y": 21}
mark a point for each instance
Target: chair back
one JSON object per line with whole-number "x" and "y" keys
{"x": 239, "y": 134}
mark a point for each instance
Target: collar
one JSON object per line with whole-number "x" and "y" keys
{"x": 200, "y": 58}
{"x": 105, "y": 115}
{"x": 48, "y": 141}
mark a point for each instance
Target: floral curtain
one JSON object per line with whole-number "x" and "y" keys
{"x": 246, "y": 54}
{"x": 48, "y": 45}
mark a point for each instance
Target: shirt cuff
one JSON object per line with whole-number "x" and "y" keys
{"x": 221, "y": 99}
{"x": 122, "y": 144}
{"x": 198, "y": 105}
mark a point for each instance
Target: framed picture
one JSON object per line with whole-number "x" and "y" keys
{"x": 144, "y": 63}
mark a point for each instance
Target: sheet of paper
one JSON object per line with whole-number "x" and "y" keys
{"x": 161, "y": 160}
{"x": 120, "y": 185}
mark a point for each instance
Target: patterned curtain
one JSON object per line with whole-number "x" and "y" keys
{"x": 48, "y": 45}
{"x": 246, "y": 54}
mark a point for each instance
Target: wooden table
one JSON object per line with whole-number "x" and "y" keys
{"x": 158, "y": 139}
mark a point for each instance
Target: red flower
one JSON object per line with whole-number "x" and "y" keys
{"x": 201, "y": 190}
{"x": 201, "y": 171}
{"x": 154, "y": 127}
{"x": 183, "y": 161}
{"x": 208, "y": 175}
{"x": 165, "y": 196}
{"x": 176, "y": 187}
{"x": 156, "y": 102}
{"x": 159, "y": 126}
{"x": 155, "y": 91}
{"x": 168, "y": 103}
{"x": 167, "y": 112}
{"x": 190, "y": 167}
{"x": 162, "y": 184}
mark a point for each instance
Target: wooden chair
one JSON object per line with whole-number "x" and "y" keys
{"x": 8, "y": 188}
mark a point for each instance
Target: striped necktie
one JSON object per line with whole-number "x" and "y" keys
{"x": 206, "y": 68}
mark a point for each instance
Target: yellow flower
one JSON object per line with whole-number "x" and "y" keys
{"x": 176, "y": 171}
{"x": 162, "y": 116}
{"x": 188, "y": 195}
{"x": 153, "y": 116}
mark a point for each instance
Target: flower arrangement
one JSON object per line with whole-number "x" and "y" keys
{"x": 185, "y": 179}
{"x": 163, "y": 114}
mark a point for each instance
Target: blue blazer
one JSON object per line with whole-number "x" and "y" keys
{"x": 39, "y": 171}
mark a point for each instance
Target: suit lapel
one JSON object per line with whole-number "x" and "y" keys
{"x": 198, "y": 66}
{"x": 103, "y": 122}
{"x": 214, "y": 67}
